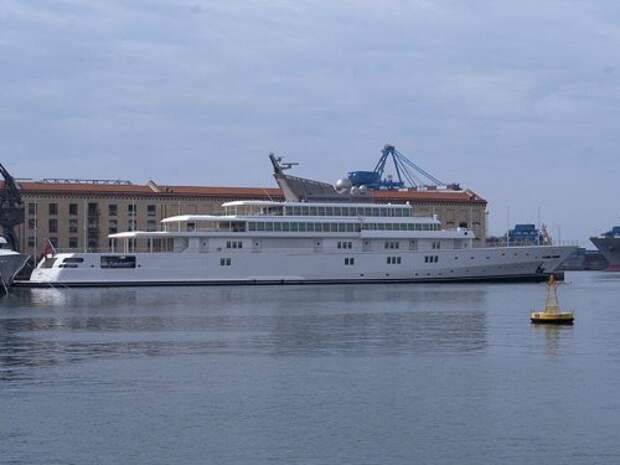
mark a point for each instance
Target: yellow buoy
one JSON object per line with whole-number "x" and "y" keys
{"x": 552, "y": 314}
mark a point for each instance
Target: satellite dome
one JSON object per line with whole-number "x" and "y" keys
{"x": 344, "y": 183}
{"x": 363, "y": 190}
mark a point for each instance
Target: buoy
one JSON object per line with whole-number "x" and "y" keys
{"x": 552, "y": 313}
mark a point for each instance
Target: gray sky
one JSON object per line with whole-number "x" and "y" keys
{"x": 520, "y": 101}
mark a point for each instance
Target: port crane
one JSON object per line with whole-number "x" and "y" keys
{"x": 408, "y": 175}
{"x": 11, "y": 207}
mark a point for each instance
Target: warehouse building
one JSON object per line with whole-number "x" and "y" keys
{"x": 78, "y": 215}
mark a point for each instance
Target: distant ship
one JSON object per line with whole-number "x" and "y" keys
{"x": 609, "y": 246}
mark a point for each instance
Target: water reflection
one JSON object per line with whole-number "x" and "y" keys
{"x": 51, "y": 327}
{"x": 553, "y": 335}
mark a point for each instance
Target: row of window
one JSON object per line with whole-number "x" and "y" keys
{"x": 393, "y": 260}
{"x": 431, "y": 259}
{"x": 345, "y": 244}
{"x": 92, "y": 209}
{"x": 302, "y": 227}
{"x": 349, "y": 261}
{"x": 392, "y": 244}
{"x": 225, "y": 261}
{"x": 401, "y": 227}
{"x": 234, "y": 244}
{"x": 343, "y": 211}
{"x": 93, "y": 225}
{"x": 338, "y": 227}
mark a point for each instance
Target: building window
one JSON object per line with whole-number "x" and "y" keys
{"x": 73, "y": 209}
{"x": 32, "y": 209}
{"x": 132, "y": 209}
{"x": 151, "y": 210}
{"x": 151, "y": 225}
{"x": 53, "y": 225}
{"x": 112, "y": 226}
{"x": 31, "y": 241}
{"x": 32, "y": 223}
{"x": 73, "y": 242}
{"x": 112, "y": 210}
{"x": 93, "y": 243}
{"x": 73, "y": 225}
{"x": 53, "y": 208}
{"x": 54, "y": 241}
{"x": 93, "y": 209}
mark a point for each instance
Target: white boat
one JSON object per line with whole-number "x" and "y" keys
{"x": 11, "y": 263}
{"x": 264, "y": 242}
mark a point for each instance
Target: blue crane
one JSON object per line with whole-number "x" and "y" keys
{"x": 408, "y": 174}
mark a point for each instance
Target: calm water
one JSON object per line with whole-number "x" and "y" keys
{"x": 394, "y": 374}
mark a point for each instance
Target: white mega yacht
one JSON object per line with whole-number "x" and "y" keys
{"x": 266, "y": 242}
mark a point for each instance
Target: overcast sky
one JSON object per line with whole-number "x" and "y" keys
{"x": 517, "y": 100}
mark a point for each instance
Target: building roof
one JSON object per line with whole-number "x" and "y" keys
{"x": 151, "y": 189}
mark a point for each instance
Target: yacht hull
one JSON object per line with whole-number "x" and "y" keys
{"x": 269, "y": 268}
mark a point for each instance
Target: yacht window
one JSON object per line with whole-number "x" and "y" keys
{"x": 389, "y": 260}
{"x": 310, "y": 227}
{"x": 302, "y": 227}
{"x": 252, "y": 226}
{"x": 342, "y": 227}
{"x": 269, "y": 227}
{"x": 73, "y": 260}
{"x": 326, "y": 227}
{"x": 384, "y": 212}
{"x": 358, "y": 228}
{"x": 277, "y": 226}
{"x": 313, "y": 211}
{"x": 388, "y": 226}
{"x": 337, "y": 211}
{"x": 113, "y": 261}
{"x": 329, "y": 211}
{"x": 410, "y": 226}
{"x": 294, "y": 227}
{"x": 260, "y": 226}
{"x": 297, "y": 211}
{"x": 375, "y": 212}
{"x": 334, "y": 227}
{"x": 321, "y": 211}
{"x": 286, "y": 227}
{"x": 360, "y": 211}
{"x": 288, "y": 211}
{"x": 381, "y": 226}
{"x": 368, "y": 211}
{"x": 304, "y": 211}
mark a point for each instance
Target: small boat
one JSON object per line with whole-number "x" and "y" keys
{"x": 552, "y": 313}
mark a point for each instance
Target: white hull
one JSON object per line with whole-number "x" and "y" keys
{"x": 282, "y": 267}
{"x": 11, "y": 263}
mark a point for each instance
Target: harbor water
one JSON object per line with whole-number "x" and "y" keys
{"x": 341, "y": 374}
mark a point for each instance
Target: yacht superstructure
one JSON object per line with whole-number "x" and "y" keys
{"x": 264, "y": 242}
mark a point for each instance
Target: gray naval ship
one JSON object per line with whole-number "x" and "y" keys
{"x": 609, "y": 246}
